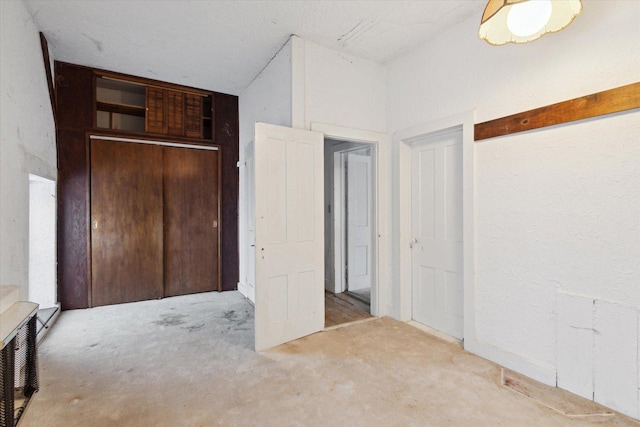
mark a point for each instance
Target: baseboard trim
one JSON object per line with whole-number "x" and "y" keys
{"x": 545, "y": 374}
{"x": 243, "y": 288}
{"x": 434, "y": 332}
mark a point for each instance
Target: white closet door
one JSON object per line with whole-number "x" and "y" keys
{"x": 437, "y": 287}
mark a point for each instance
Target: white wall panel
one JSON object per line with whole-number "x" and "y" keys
{"x": 616, "y": 357}
{"x": 575, "y": 344}
{"x": 343, "y": 90}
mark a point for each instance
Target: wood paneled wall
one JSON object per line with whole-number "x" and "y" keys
{"x": 74, "y": 88}
{"x": 226, "y": 134}
{"x": 74, "y": 106}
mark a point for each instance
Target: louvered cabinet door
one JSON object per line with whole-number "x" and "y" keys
{"x": 156, "y": 117}
{"x": 175, "y": 113}
{"x": 193, "y": 116}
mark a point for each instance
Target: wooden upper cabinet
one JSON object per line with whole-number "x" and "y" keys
{"x": 136, "y": 106}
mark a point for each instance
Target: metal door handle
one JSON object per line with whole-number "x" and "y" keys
{"x": 413, "y": 242}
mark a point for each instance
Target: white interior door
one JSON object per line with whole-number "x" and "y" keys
{"x": 358, "y": 218}
{"x": 437, "y": 286}
{"x": 289, "y": 230}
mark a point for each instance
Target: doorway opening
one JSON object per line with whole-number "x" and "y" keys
{"x": 290, "y": 212}
{"x": 42, "y": 250}
{"x": 42, "y": 241}
{"x": 349, "y": 230}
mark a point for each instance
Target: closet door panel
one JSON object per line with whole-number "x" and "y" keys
{"x": 191, "y": 245}
{"x": 126, "y": 222}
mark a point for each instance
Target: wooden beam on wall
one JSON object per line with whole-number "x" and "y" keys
{"x": 47, "y": 68}
{"x": 598, "y": 104}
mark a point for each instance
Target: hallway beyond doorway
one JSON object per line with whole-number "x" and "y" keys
{"x": 343, "y": 308}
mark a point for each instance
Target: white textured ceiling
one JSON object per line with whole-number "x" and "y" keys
{"x": 222, "y": 45}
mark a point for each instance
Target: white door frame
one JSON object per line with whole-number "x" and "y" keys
{"x": 339, "y": 218}
{"x": 382, "y": 208}
{"x": 338, "y": 224}
{"x": 403, "y": 141}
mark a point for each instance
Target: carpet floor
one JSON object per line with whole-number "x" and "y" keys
{"x": 189, "y": 361}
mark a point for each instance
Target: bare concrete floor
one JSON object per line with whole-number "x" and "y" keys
{"x": 189, "y": 361}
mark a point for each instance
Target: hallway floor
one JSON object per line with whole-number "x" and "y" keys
{"x": 189, "y": 361}
{"x": 343, "y": 308}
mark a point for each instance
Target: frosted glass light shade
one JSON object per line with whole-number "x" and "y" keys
{"x": 521, "y": 21}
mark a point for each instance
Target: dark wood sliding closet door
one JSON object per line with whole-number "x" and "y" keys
{"x": 126, "y": 222}
{"x": 191, "y": 221}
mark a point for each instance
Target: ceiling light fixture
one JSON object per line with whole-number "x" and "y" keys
{"x": 521, "y": 21}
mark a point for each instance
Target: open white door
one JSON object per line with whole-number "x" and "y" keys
{"x": 289, "y": 230}
{"x": 250, "y": 270}
{"x": 358, "y": 212}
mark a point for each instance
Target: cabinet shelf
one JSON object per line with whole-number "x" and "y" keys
{"x": 114, "y": 107}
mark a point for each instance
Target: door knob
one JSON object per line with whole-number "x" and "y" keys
{"x": 94, "y": 224}
{"x": 413, "y": 242}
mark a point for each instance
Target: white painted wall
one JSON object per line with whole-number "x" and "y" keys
{"x": 267, "y": 99}
{"x": 338, "y": 89}
{"x": 557, "y": 210}
{"x": 27, "y": 137}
